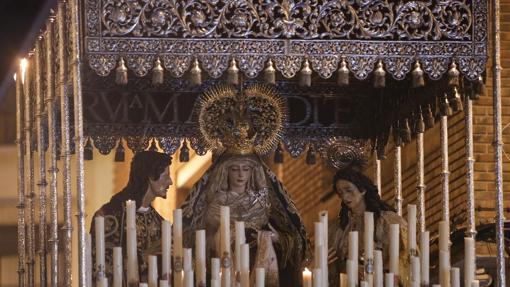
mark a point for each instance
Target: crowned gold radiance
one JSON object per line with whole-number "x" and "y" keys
{"x": 250, "y": 121}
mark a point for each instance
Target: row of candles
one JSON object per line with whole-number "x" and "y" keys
{"x": 183, "y": 273}
{"x": 221, "y": 268}
{"x": 373, "y": 259}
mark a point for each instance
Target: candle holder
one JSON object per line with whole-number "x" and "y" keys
{"x": 178, "y": 264}
{"x": 369, "y": 266}
{"x": 100, "y": 272}
{"x": 225, "y": 260}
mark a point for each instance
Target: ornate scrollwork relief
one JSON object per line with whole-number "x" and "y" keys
{"x": 287, "y": 31}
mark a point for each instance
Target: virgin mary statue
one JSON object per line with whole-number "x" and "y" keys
{"x": 239, "y": 179}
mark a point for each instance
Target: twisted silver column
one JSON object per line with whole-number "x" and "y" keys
{"x": 420, "y": 181}
{"x": 41, "y": 143}
{"x": 52, "y": 145}
{"x": 498, "y": 142}
{"x": 78, "y": 128}
{"x": 398, "y": 179}
{"x": 21, "y": 177}
{"x": 30, "y": 176}
{"x": 66, "y": 140}
{"x": 377, "y": 174}
{"x": 445, "y": 172}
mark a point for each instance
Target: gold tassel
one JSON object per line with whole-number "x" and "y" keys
{"x": 270, "y": 73}
{"x": 429, "y": 118}
{"x": 233, "y": 73}
{"x": 310, "y": 156}
{"x": 343, "y": 74}
{"x": 453, "y": 76}
{"x": 418, "y": 78}
{"x": 456, "y": 101}
{"x": 444, "y": 107}
{"x": 406, "y": 132}
{"x": 379, "y": 76}
{"x": 479, "y": 89}
{"x": 121, "y": 73}
{"x": 157, "y": 73}
{"x": 196, "y": 74}
{"x": 305, "y": 75}
{"x": 420, "y": 124}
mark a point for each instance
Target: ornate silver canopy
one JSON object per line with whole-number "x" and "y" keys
{"x": 398, "y": 32}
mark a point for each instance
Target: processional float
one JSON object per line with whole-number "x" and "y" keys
{"x": 115, "y": 72}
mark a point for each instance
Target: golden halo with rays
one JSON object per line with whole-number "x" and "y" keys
{"x": 265, "y": 110}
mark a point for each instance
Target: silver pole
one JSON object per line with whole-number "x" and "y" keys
{"x": 398, "y": 179}
{"x": 41, "y": 142}
{"x": 498, "y": 143}
{"x": 21, "y": 178}
{"x": 420, "y": 180}
{"x": 30, "y": 177}
{"x": 470, "y": 163}
{"x": 66, "y": 141}
{"x": 377, "y": 174}
{"x": 445, "y": 172}
{"x": 78, "y": 127}
{"x": 52, "y": 145}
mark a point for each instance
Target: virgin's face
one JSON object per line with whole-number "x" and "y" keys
{"x": 160, "y": 186}
{"x": 239, "y": 173}
{"x": 350, "y": 194}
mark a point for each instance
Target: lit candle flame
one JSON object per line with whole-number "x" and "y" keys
{"x": 23, "y": 65}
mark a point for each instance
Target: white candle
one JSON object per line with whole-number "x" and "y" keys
{"x": 245, "y": 265}
{"x": 132, "y": 257}
{"x": 166, "y": 248}
{"x": 215, "y": 272}
{"x": 130, "y": 214}
{"x": 436, "y": 285}
{"x": 389, "y": 280}
{"x": 353, "y": 254}
{"x": 307, "y": 278}
{"x": 102, "y": 282}
{"x": 368, "y": 238}
{"x": 394, "y": 248}
{"x": 177, "y": 232}
{"x": 99, "y": 240}
{"x": 444, "y": 268}
{"x": 378, "y": 269}
{"x": 143, "y": 285}
{"x": 200, "y": 264}
{"x": 117, "y": 266}
{"x": 240, "y": 239}
{"x": 455, "y": 277}
{"x": 260, "y": 277}
{"x": 424, "y": 257}
{"x": 319, "y": 241}
{"x": 152, "y": 274}
{"x": 88, "y": 258}
{"x": 352, "y": 273}
{"x": 163, "y": 283}
{"x": 444, "y": 236}
{"x": 225, "y": 246}
{"x": 178, "y": 259}
{"x": 323, "y": 215}
{"x": 188, "y": 278}
{"x": 469, "y": 260}
{"x": 187, "y": 259}
{"x": 225, "y": 230}
{"x": 317, "y": 277}
{"x": 475, "y": 283}
{"x": 363, "y": 284}
{"x": 215, "y": 268}
{"x": 411, "y": 222}
{"x": 415, "y": 270}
